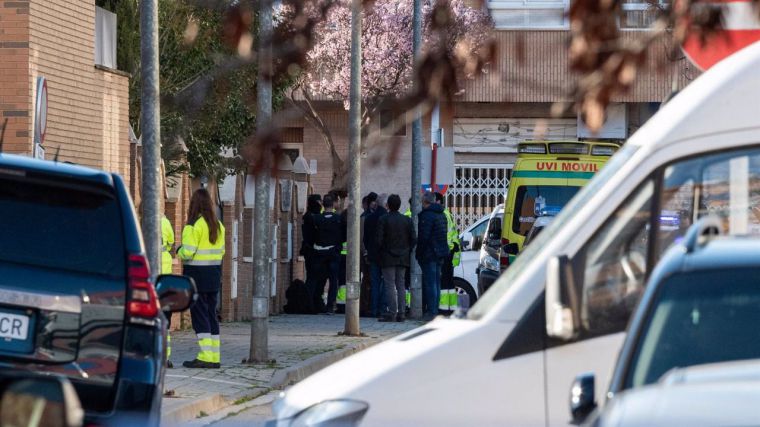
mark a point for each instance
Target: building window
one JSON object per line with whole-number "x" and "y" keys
{"x": 105, "y": 38}
{"x": 529, "y": 14}
{"x": 639, "y": 14}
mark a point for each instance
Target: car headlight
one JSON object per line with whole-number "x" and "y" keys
{"x": 330, "y": 413}
{"x": 489, "y": 262}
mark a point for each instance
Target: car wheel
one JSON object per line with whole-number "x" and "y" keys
{"x": 461, "y": 286}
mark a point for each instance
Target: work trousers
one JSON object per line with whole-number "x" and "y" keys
{"x": 315, "y": 304}
{"x": 206, "y": 326}
{"x": 328, "y": 269}
{"x": 395, "y": 292}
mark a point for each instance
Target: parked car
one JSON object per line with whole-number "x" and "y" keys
{"x": 700, "y": 306}
{"x": 488, "y": 263}
{"x": 511, "y": 360}
{"x": 465, "y": 274}
{"x": 719, "y": 394}
{"x": 76, "y": 296}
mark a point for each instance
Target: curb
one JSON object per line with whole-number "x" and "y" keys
{"x": 187, "y": 412}
{"x": 300, "y": 371}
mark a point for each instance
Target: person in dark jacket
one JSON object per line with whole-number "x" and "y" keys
{"x": 395, "y": 240}
{"x": 309, "y": 235}
{"x": 432, "y": 249}
{"x": 329, "y": 238}
{"x": 376, "y": 211}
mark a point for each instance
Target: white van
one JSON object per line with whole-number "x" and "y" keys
{"x": 510, "y": 362}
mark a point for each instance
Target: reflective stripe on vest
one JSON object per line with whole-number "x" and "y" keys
{"x": 344, "y": 249}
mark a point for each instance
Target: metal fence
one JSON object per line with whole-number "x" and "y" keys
{"x": 477, "y": 189}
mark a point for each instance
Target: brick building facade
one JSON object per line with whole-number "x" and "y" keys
{"x": 88, "y": 104}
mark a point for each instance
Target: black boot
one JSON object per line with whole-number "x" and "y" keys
{"x": 400, "y": 317}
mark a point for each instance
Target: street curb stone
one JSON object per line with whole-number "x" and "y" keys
{"x": 188, "y": 412}
{"x": 300, "y": 371}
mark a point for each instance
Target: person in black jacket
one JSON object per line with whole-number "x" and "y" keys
{"x": 376, "y": 211}
{"x": 308, "y": 233}
{"x": 432, "y": 248}
{"x": 327, "y": 243}
{"x": 395, "y": 240}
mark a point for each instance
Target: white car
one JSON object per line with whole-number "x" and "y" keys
{"x": 465, "y": 274}
{"x": 509, "y": 363}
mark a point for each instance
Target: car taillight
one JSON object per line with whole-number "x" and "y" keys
{"x": 503, "y": 255}
{"x": 143, "y": 301}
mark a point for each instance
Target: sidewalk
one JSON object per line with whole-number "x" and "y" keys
{"x": 298, "y": 344}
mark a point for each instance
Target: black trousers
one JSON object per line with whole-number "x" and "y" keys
{"x": 328, "y": 269}
{"x": 203, "y": 314}
{"x": 447, "y": 273}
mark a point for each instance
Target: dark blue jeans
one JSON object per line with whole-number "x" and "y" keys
{"x": 377, "y": 303}
{"x": 431, "y": 286}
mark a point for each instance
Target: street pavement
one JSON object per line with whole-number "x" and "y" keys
{"x": 298, "y": 346}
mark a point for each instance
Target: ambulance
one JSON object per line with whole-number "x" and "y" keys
{"x": 546, "y": 176}
{"x": 564, "y": 305}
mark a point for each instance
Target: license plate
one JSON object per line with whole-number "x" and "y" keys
{"x": 14, "y": 326}
{"x": 16, "y": 331}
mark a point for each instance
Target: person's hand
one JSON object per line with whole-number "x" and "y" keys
{"x": 456, "y": 247}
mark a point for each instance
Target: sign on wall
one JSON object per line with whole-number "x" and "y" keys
{"x": 40, "y": 117}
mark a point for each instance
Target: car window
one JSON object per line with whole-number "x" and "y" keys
{"x": 531, "y": 199}
{"x": 725, "y": 184}
{"x": 479, "y": 229}
{"x": 699, "y": 317}
{"x": 62, "y": 228}
{"x": 615, "y": 265}
{"x": 531, "y": 254}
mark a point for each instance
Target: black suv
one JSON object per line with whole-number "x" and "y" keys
{"x": 76, "y": 296}
{"x": 701, "y": 306}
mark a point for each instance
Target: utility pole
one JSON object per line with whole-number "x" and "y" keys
{"x": 354, "y": 173}
{"x": 415, "y": 275}
{"x": 150, "y": 125}
{"x": 261, "y": 246}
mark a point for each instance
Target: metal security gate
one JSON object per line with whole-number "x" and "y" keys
{"x": 477, "y": 189}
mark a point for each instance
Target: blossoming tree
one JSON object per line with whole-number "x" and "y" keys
{"x": 387, "y": 58}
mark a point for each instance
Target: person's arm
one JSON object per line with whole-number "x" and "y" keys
{"x": 412, "y": 234}
{"x": 221, "y": 236}
{"x": 190, "y": 240}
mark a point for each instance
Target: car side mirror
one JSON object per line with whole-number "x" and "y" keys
{"x": 582, "y": 397}
{"x": 175, "y": 293}
{"x": 477, "y": 243}
{"x": 49, "y": 401}
{"x": 511, "y": 248}
{"x": 466, "y": 239}
{"x": 560, "y": 299}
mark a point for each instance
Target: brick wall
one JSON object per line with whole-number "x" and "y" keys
{"x": 15, "y": 100}
{"x": 87, "y": 107}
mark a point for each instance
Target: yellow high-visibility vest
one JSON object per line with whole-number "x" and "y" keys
{"x": 167, "y": 242}
{"x": 196, "y": 248}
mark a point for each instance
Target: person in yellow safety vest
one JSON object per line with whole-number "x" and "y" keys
{"x": 448, "y": 300}
{"x": 201, "y": 252}
{"x": 167, "y": 244}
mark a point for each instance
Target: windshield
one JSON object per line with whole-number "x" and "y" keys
{"x": 531, "y": 200}
{"x": 529, "y": 254}
{"x": 714, "y": 314}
